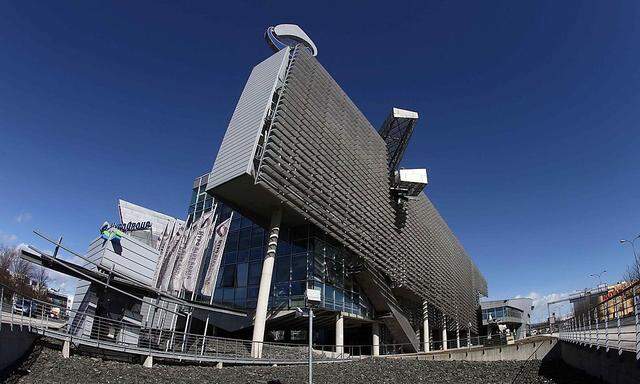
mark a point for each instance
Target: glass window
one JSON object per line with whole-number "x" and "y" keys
{"x": 330, "y": 271}
{"x": 229, "y": 257}
{"x": 328, "y": 293}
{"x": 299, "y": 267}
{"x": 257, "y": 253}
{"x": 217, "y": 295}
{"x": 257, "y": 237}
{"x": 282, "y": 269}
{"x": 299, "y": 245}
{"x": 241, "y": 297}
{"x": 242, "y": 274}
{"x": 244, "y": 241}
{"x": 232, "y": 241}
{"x": 219, "y": 278}
{"x": 235, "y": 223}
{"x": 254, "y": 273}
{"x": 243, "y": 256}
{"x": 229, "y": 276}
{"x": 252, "y": 293}
{"x": 281, "y": 290}
{"x": 228, "y": 296}
{"x": 339, "y": 297}
{"x": 298, "y": 288}
{"x": 244, "y": 223}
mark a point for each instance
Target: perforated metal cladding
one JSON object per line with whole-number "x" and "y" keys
{"x": 326, "y": 161}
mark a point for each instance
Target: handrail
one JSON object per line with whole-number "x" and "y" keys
{"x": 149, "y": 339}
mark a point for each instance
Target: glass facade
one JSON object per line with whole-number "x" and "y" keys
{"x": 305, "y": 257}
{"x": 200, "y": 202}
{"x": 501, "y": 312}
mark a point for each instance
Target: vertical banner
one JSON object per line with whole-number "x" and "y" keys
{"x": 175, "y": 281}
{"x": 216, "y": 257}
{"x": 166, "y": 234}
{"x": 169, "y": 259}
{"x": 194, "y": 252}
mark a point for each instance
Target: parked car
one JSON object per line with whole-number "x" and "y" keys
{"x": 22, "y": 307}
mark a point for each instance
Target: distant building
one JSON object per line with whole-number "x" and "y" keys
{"x": 58, "y": 301}
{"x": 590, "y": 301}
{"x": 515, "y": 314}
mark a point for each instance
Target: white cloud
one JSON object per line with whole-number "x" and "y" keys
{"x": 540, "y": 301}
{"x": 7, "y": 237}
{"x": 23, "y": 217}
{"x": 66, "y": 285}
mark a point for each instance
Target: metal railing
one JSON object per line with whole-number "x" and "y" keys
{"x": 612, "y": 324}
{"x": 87, "y": 328}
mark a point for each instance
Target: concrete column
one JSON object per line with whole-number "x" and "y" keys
{"x": 444, "y": 333}
{"x": 265, "y": 285}
{"x": 148, "y": 362}
{"x": 457, "y": 334}
{"x": 425, "y": 326}
{"x": 375, "y": 330}
{"x": 66, "y": 349}
{"x": 339, "y": 333}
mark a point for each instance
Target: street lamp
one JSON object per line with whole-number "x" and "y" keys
{"x": 599, "y": 277}
{"x": 633, "y": 246}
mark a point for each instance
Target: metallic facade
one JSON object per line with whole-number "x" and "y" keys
{"x": 326, "y": 164}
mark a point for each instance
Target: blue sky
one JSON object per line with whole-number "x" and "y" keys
{"x": 529, "y": 116}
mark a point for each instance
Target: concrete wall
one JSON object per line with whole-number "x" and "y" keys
{"x": 611, "y": 367}
{"x": 532, "y": 349}
{"x": 13, "y": 345}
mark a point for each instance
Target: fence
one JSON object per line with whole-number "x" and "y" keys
{"x": 612, "y": 324}
{"x": 120, "y": 335}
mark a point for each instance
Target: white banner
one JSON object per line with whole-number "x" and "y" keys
{"x": 195, "y": 250}
{"x": 169, "y": 259}
{"x": 167, "y": 232}
{"x": 216, "y": 257}
{"x": 175, "y": 283}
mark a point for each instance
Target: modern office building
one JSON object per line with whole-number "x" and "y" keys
{"x": 315, "y": 182}
{"x": 305, "y": 195}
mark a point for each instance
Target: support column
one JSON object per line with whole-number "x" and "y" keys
{"x": 457, "y": 334}
{"x": 265, "y": 285}
{"x": 444, "y": 333}
{"x": 66, "y": 349}
{"x": 148, "y": 362}
{"x": 339, "y": 334}
{"x": 375, "y": 330}
{"x": 425, "y": 326}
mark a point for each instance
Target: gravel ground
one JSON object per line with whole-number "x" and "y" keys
{"x": 45, "y": 365}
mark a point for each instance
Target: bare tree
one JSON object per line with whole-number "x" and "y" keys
{"x": 22, "y": 270}
{"x": 7, "y": 257}
{"x": 633, "y": 271}
{"x": 42, "y": 279}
